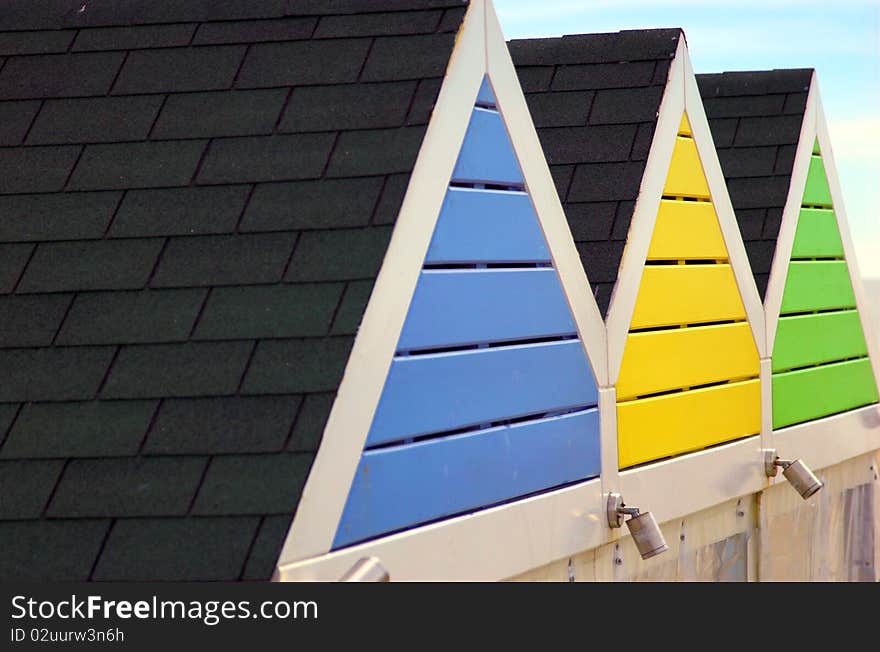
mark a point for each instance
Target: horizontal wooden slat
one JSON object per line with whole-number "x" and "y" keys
{"x": 685, "y": 177}
{"x": 486, "y": 154}
{"x": 653, "y": 428}
{"x": 684, "y": 127}
{"x": 439, "y": 392}
{"x": 817, "y": 392}
{"x": 406, "y": 485}
{"x": 805, "y": 340}
{"x": 817, "y": 285}
{"x": 817, "y": 235}
{"x": 816, "y": 191}
{"x": 686, "y": 294}
{"x": 484, "y": 95}
{"x": 656, "y": 361}
{"x": 487, "y": 226}
{"x": 686, "y": 230}
{"x": 475, "y": 306}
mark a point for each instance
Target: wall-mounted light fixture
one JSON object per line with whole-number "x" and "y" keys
{"x": 796, "y": 472}
{"x": 366, "y": 569}
{"x": 644, "y": 529}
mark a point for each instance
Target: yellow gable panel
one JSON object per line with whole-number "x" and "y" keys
{"x": 688, "y": 377}
{"x": 685, "y": 177}
{"x": 671, "y": 424}
{"x": 672, "y": 295}
{"x": 687, "y": 230}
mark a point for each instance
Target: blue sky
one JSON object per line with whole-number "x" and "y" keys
{"x": 840, "y": 39}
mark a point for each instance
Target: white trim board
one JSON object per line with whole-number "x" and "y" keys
{"x": 785, "y": 239}
{"x": 681, "y": 96}
{"x": 849, "y": 251}
{"x": 539, "y": 184}
{"x": 736, "y": 249}
{"x": 480, "y": 51}
{"x": 829, "y": 441}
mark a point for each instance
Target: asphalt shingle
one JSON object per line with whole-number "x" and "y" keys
{"x": 90, "y": 265}
{"x": 131, "y": 317}
{"x": 137, "y": 165}
{"x": 79, "y": 429}
{"x": 224, "y": 260}
{"x": 56, "y": 216}
{"x": 186, "y": 549}
{"x": 176, "y": 70}
{"x": 94, "y": 120}
{"x": 127, "y": 486}
{"x": 50, "y": 551}
{"x": 217, "y": 425}
{"x": 192, "y": 369}
{"x": 253, "y": 484}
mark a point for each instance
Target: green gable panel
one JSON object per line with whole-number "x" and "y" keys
{"x": 816, "y": 392}
{"x": 817, "y": 235}
{"x": 817, "y": 285}
{"x": 819, "y": 362}
{"x": 804, "y": 340}
{"x": 816, "y": 192}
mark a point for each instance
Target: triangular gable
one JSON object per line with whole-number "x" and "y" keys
{"x": 490, "y": 396}
{"x": 820, "y": 358}
{"x": 685, "y": 325}
{"x": 525, "y": 309}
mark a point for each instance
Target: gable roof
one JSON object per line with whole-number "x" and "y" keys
{"x": 594, "y": 99}
{"x": 756, "y": 118}
{"x": 195, "y": 199}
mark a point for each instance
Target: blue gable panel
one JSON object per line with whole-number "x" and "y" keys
{"x": 489, "y": 339}
{"x": 402, "y": 486}
{"x": 446, "y": 391}
{"x": 484, "y": 95}
{"x": 484, "y": 226}
{"x": 456, "y": 307}
{"x": 486, "y": 155}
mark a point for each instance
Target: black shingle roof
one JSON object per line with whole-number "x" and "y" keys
{"x": 195, "y": 198}
{"x": 755, "y": 118}
{"x": 594, "y": 100}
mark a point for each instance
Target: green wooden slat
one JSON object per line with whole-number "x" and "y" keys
{"x": 816, "y": 192}
{"x": 817, "y": 235}
{"x": 817, "y": 392}
{"x": 813, "y": 339}
{"x": 817, "y": 285}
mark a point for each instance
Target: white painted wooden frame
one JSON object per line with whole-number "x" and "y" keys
{"x": 493, "y": 543}
{"x": 681, "y": 95}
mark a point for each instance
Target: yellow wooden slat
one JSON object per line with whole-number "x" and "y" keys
{"x": 685, "y": 177}
{"x": 686, "y": 294}
{"x": 684, "y": 128}
{"x": 653, "y": 428}
{"x": 686, "y": 229}
{"x": 657, "y": 361}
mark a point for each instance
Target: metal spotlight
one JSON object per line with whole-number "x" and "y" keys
{"x": 366, "y": 569}
{"x": 644, "y": 529}
{"x": 796, "y": 472}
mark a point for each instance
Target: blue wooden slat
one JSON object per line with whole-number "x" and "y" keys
{"x": 487, "y": 226}
{"x": 484, "y": 95}
{"x": 403, "y": 486}
{"x": 486, "y": 154}
{"x": 473, "y": 306}
{"x": 434, "y": 393}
